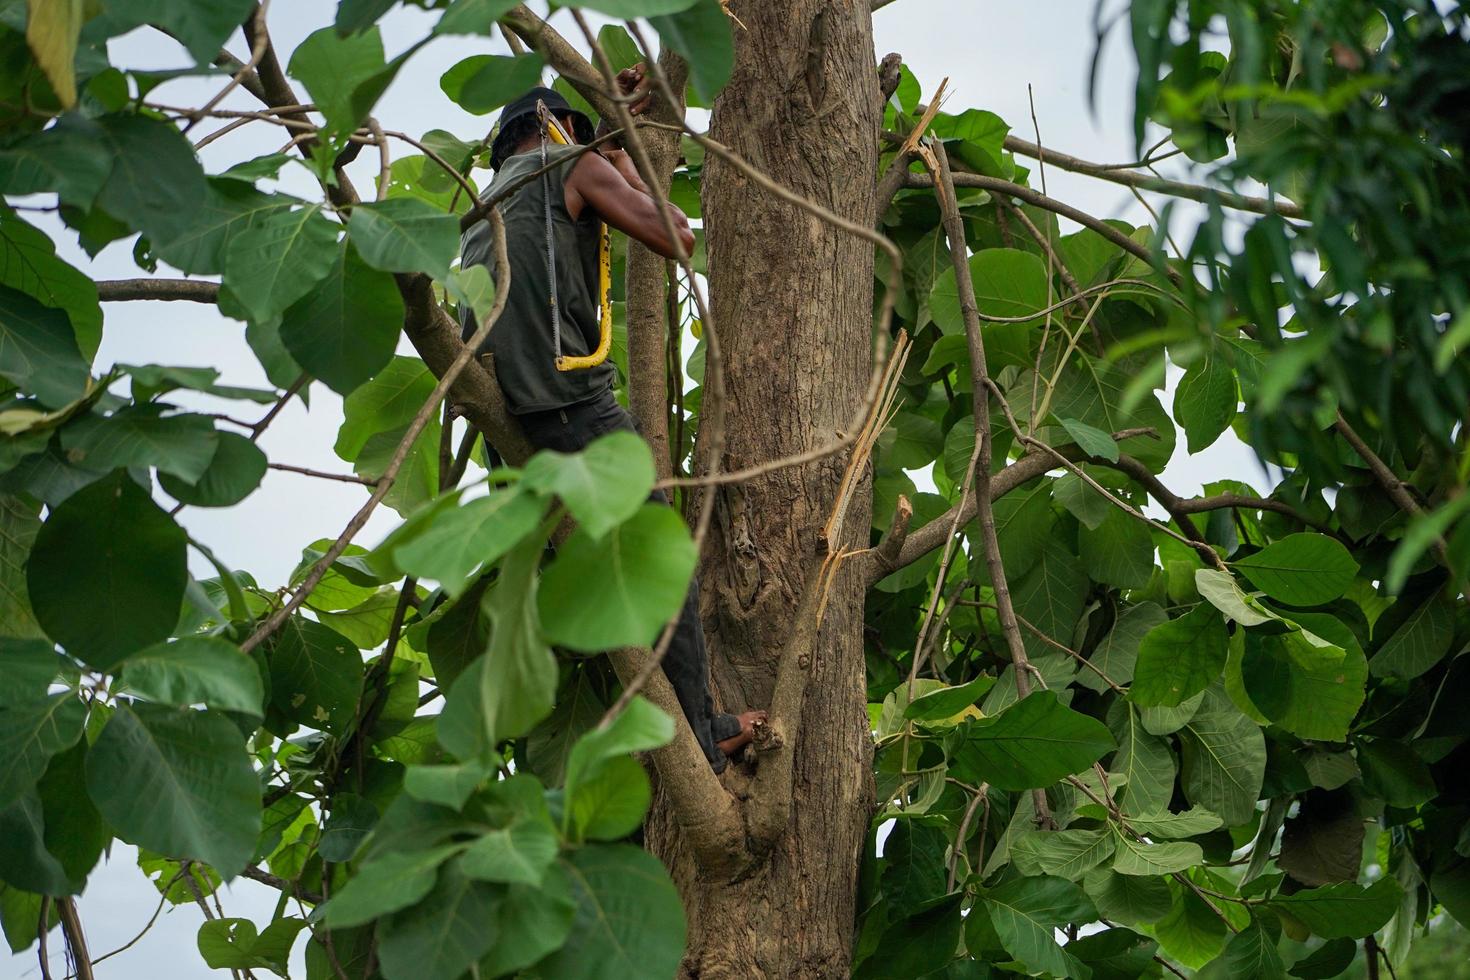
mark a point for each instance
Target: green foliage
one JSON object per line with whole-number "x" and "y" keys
{"x": 1250, "y": 764}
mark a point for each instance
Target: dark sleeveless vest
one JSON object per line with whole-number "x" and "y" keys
{"x": 521, "y": 339}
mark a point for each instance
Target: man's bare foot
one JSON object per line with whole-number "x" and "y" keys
{"x": 735, "y": 743}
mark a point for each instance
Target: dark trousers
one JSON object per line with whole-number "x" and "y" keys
{"x": 686, "y": 664}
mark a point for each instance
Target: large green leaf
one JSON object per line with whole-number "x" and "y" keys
{"x": 915, "y": 865}
{"x": 1093, "y": 442}
{"x": 1252, "y": 953}
{"x": 30, "y": 734}
{"x": 143, "y": 435}
{"x": 202, "y": 28}
{"x": 1050, "y": 596}
{"x": 1180, "y": 658}
{"x": 535, "y": 921}
{"x": 639, "y": 727}
{"x": 178, "y": 782}
{"x": 1144, "y": 760}
{"x": 71, "y": 158}
{"x": 1205, "y": 401}
{"x": 629, "y": 923}
{"x": 235, "y": 944}
{"x": 610, "y": 803}
{"x": 19, "y": 522}
{"x": 1026, "y": 913}
{"x": 345, "y": 330}
{"x": 1125, "y": 898}
{"x": 230, "y": 208}
{"x": 156, "y": 185}
{"x": 1344, "y": 911}
{"x": 278, "y": 259}
{"x": 1067, "y": 853}
{"x": 405, "y": 235}
{"x": 602, "y": 486}
{"x": 461, "y": 539}
{"x": 28, "y": 263}
{"x": 75, "y": 833}
{"x": 38, "y": 350}
{"x": 702, "y": 34}
{"x": 620, "y": 590}
{"x": 392, "y": 881}
{"x": 316, "y": 675}
{"x": 443, "y": 934}
{"x": 1302, "y": 569}
{"x": 518, "y": 854}
{"x": 505, "y": 692}
{"x": 1224, "y": 756}
{"x": 1191, "y": 933}
{"x": 1135, "y": 857}
{"x": 1302, "y": 688}
{"x": 25, "y": 862}
{"x": 1117, "y": 652}
{"x": 107, "y": 572}
{"x": 484, "y": 82}
{"x": 1118, "y": 552}
{"x": 234, "y": 471}
{"x": 333, "y": 68}
{"x": 196, "y": 670}
{"x": 1008, "y": 283}
{"x": 29, "y": 666}
{"x": 472, "y": 16}
{"x": 1416, "y": 643}
{"x": 1033, "y": 743}
{"x": 389, "y": 401}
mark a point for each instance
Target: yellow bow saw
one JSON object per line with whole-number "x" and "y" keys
{"x": 556, "y": 134}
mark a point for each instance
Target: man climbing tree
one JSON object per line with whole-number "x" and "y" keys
{"x": 1051, "y": 691}
{"x": 552, "y": 313}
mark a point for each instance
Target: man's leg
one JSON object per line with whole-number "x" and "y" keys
{"x": 686, "y": 663}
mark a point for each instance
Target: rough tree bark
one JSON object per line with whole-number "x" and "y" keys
{"x": 792, "y": 300}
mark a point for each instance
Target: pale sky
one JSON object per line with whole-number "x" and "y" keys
{"x": 990, "y": 52}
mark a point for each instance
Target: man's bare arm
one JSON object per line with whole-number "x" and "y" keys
{"x": 621, "y": 199}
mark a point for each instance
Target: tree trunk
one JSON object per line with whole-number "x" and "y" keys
{"x": 792, "y": 304}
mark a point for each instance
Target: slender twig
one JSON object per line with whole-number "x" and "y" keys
{"x": 1034, "y": 631}
{"x": 323, "y": 475}
{"x": 981, "y": 797}
{"x": 280, "y": 884}
{"x": 257, "y": 51}
{"x": 980, "y": 462}
{"x": 42, "y": 957}
{"x": 1174, "y": 188}
{"x": 1040, "y": 200}
{"x": 259, "y": 428}
{"x": 1389, "y": 481}
{"x": 390, "y": 473}
{"x": 385, "y": 161}
{"x": 157, "y": 910}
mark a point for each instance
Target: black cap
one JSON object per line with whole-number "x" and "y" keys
{"x": 526, "y": 105}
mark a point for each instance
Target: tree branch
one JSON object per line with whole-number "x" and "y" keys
{"x": 954, "y": 228}
{"x": 1160, "y": 185}
{"x": 167, "y": 290}
{"x": 542, "y": 38}
{"x": 1042, "y": 201}
{"x": 1389, "y": 481}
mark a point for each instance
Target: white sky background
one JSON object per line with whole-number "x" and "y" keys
{"x": 990, "y": 52}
